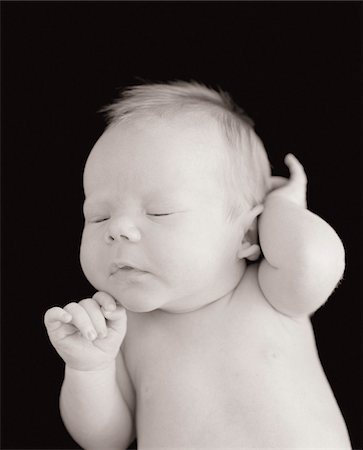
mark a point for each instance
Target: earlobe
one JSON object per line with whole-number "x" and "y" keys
{"x": 249, "y": 247}
{"x": 249, "y": 251}
{"x": 257, "y": 210}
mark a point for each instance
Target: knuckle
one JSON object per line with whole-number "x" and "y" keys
{"x": 102, "y": 297}
{"x": 98, "y": 320}
{"x": 98, "y": 294}
{"x": 86, "y": 302}
{"x": 52, "y": 314}
{"x": 71, "y": 306}
{"x": 98, "y": 298}
{"x": 83, "y": 324}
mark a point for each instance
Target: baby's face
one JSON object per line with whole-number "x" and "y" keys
{"x": 155, "y": 206}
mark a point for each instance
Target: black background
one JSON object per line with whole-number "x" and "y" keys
{"x": 294, "y": 67}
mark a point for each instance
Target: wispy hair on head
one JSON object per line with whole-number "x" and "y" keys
{"x": 247, "y": 171}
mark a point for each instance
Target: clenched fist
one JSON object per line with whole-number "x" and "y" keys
{"x": 293, "y": 188}
{"x": 87, "y": 335}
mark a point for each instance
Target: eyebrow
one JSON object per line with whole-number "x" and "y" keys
{"x": 175, "y": 194}
{"x": 159, "y": 193}
{"x": 90, "y": 203}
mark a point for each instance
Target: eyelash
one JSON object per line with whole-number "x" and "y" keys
{"x": 100, "y": 220}
{"x": 149, "y": 214}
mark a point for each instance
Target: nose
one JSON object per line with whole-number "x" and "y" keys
{"x": 122, "y": 228}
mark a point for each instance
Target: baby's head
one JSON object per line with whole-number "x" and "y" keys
{"x": 171, "y": 191}
{"x": 245, "y": 168}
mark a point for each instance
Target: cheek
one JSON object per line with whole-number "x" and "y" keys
{"x": 89, "y": 257}
{"x": 194, "y": 248}
{"x": 84, "y": 258}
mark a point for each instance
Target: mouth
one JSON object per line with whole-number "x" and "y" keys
{"x": 116, "y": 267}
{"x": 125, "y": 272}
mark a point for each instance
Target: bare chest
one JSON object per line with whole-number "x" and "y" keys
{"x": 237, "y": 376}
{"x": 196, "y": 384}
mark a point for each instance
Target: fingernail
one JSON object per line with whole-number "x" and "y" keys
{"x": 102, "y": 334}
{"x": 91, "y": 335}
{"x": 111, "y": 307}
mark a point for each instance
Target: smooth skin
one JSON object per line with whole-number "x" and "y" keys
{"x": 98, "y": 401}
{"x": 88, "y": 335}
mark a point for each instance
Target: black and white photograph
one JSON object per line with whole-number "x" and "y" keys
{"x": 181, "y": 225}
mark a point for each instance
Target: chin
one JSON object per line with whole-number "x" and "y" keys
{"x": 140, "y": 303}
{"x": 137, "y": 308}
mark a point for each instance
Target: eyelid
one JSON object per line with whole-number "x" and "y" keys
{"x": 160, "y": 214}
{"x": 97, "y": 219}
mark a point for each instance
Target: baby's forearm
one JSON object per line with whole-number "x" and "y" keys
{"x": 304, "y": 257}
{"x": 94, "y": 411}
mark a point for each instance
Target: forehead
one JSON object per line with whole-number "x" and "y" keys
{"x": 155, "y": 152}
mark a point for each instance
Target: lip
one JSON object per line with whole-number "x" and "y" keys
{"x": 127, "y": 273}
{"x": 124, "y": 270}
{"x": 123, "y": 265}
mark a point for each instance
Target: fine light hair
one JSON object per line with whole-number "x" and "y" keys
{"x": 247, "y": 170}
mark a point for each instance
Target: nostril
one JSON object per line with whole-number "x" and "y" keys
{"x": 131, "y": 234}
{"x": 118, "y": 237}
{"x": 109, "y": 238}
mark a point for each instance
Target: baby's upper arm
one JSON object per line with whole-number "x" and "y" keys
{"x": 299, "y": 292}
{"x": 304, "y": 258}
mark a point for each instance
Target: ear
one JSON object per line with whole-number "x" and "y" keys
{"x": 249, "y": 247}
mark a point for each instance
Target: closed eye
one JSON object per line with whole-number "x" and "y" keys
{"x": 102, "y": 219}
{"x": 159, "y": 214}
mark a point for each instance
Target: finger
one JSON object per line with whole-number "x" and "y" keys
{"x": 295, "y": 167}
{"x": 117, "y": 320}
{"x": 62, "y": 332}
{"x": 277, "y": 182}
{"x": 105, "y": 300}
{"x": 96, "y": 316}
{"x": 55, "y": 317}
{"x": 81, "y": 320}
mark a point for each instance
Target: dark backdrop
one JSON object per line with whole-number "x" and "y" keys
{"x": 294, "y": 67}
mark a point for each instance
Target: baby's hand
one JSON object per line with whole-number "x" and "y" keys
{"x": 87, "y": 335}
{"x": 294, "y": 188}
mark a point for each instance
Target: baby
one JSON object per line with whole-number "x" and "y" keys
{"x": 207, "y": 270}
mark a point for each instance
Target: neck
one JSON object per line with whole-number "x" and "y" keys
{"x": 197, "y": 303}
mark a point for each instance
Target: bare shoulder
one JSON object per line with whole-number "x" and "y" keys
{"x": 258, "y": 318}
{"x": 250, "y": 297}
